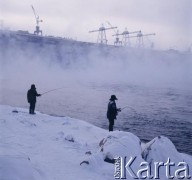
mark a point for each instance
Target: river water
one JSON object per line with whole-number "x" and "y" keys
{"x": 149, "y": 111}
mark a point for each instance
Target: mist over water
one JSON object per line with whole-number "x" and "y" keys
{"x": 154, "y": 86}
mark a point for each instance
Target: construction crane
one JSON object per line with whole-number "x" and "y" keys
{"x": 102, "y": 38}
{"x": 117, "y": 41}
{"x": 125, "y": 39}
{"x": 37, "y": 31}
{"x": 140, "y": 36}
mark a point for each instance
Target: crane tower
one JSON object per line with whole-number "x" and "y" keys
{"x": 139, "y": 36}
{"x": 117, "y": 41}
{"x": 37, "y": 31}
{"x": 102, "y": 38}
{"x": 125, "y": 39}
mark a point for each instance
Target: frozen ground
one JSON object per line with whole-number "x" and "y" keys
{"x": 43, "y": 147}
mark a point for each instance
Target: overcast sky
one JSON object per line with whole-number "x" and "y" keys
{"x": 171, "y": 20}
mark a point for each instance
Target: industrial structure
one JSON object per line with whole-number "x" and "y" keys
{"x": 121, "y": 39}
{"x": 117, "y": 41}
{"x": 37, "y": 31}
{"x": 139, "y": 36}
{"x": 125, "y": 38}
{"x": 102, "y": 37}
{"x": 124, "y": 41}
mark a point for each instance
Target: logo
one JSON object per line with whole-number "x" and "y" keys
{"x": 124, "y": 169}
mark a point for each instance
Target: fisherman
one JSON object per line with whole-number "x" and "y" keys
{"x": 112, "y": 111}
{"x": 31, "y": 97}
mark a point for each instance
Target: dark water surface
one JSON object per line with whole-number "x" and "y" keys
{"x": 149, "y": 112}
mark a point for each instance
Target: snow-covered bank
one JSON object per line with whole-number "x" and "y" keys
{"x": 43, "y": 147}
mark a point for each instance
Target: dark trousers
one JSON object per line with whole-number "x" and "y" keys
{"x": 32, "y": 107}
{"x": 111, "y": 124}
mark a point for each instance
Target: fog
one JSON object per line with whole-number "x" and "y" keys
{"x": 50, "y": 66}
{"x": 86, "y": 73}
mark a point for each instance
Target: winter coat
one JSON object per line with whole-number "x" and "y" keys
{"x": 31, "y": 95}
{"x": 112, "y": 110}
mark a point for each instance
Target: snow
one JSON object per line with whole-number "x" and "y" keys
{"x": 15, "y": 167}
{"x": 44, "y": 147}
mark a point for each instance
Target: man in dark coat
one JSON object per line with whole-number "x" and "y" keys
{"x": 112, "y": 111}
{"x": 31, "y": 97}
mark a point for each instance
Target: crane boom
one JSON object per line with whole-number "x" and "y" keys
{"x": 37, "y": 31}
{"x": 111, "y": 28}
{"x": 93, "y": 31}
{"x": 102, "y": 29}
{"x": 140, "y": 35}
{"x": 132, "y": 32}
{"x": 36, "y": 16}
{"x": 125, "y": 32}
{"x": 152, "y": 34}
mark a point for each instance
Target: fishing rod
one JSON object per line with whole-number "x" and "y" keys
{"x": 52, "y": 90}
{"x": 123, "y": 108}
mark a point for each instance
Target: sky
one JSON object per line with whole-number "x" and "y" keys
{"x": 170, "y": 20}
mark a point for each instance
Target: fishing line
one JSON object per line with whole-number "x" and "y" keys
{"x": 131, "y": 109}
{"x": 128, "y": 107}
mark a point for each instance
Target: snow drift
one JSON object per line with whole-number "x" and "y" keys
{"x": 36, "y": 147}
